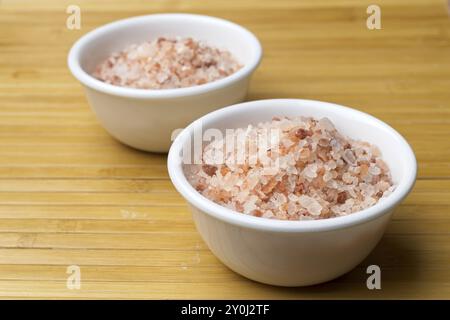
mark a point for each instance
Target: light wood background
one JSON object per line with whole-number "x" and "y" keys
{"x": 71, "y": 195}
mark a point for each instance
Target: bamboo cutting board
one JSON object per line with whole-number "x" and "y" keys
{"x": 71, "y": 195}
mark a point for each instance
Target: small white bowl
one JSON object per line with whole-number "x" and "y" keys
{"x": 145, "y": 119}
{"x": 295, "y": 253}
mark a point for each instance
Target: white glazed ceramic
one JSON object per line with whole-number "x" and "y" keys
{"x": 295, "y": 253}
{"x": 145, "y": 119}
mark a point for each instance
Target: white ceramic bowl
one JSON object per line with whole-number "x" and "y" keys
{"x": 295, "y": 253}
{"x": 145, "y": 119}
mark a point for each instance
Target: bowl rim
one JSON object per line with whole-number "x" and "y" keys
{"x": 192, "y": 196}
{"x": 73, "y": 59}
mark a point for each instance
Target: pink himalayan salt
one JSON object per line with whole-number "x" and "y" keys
{"x": 321, "y": 174}
{"x": 165, "y": 64}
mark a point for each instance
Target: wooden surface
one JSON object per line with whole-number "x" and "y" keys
{"x": 71, "y": 195}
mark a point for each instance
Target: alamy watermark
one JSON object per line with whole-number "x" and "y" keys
{"x": 373, "y": 22}
{"x": 233, "y": 147}
{"x": 73, "y": 21}
{"x": 74, "y": 279}
{"x": 374, "y": 280}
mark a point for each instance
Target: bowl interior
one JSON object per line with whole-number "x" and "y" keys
{"x": 98, "y": 45}
{"x": 351, "y": 123}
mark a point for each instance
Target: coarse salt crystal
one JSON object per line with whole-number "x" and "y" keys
{"x": 311, "y": 205}
{"x": 374, "y": 170}
{"x": 310, "y": 171}
{"x": 327, "y": 176}
{"x": 326, "y": 124}
{"x": 349, "y": 157}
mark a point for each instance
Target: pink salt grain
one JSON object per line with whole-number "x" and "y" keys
{"x": 166, "y": 64}
{"x": 321, "y": 173}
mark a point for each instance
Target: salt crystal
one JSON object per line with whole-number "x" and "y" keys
{"x": 327, "y": 176}
{"x": 268, "y": 214}
{"x": 347, "y": 178}
{"x": 310, "y": 171}
{"x": 311, "y": 205}
{"x": 292, "y": 208}
{"x": 349, "y": 157}
{"x": 250, "y": 205}
{"x": 374, "y": 170}
{"x": 279, "y": 199}
{"x": 326, "y": 124}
